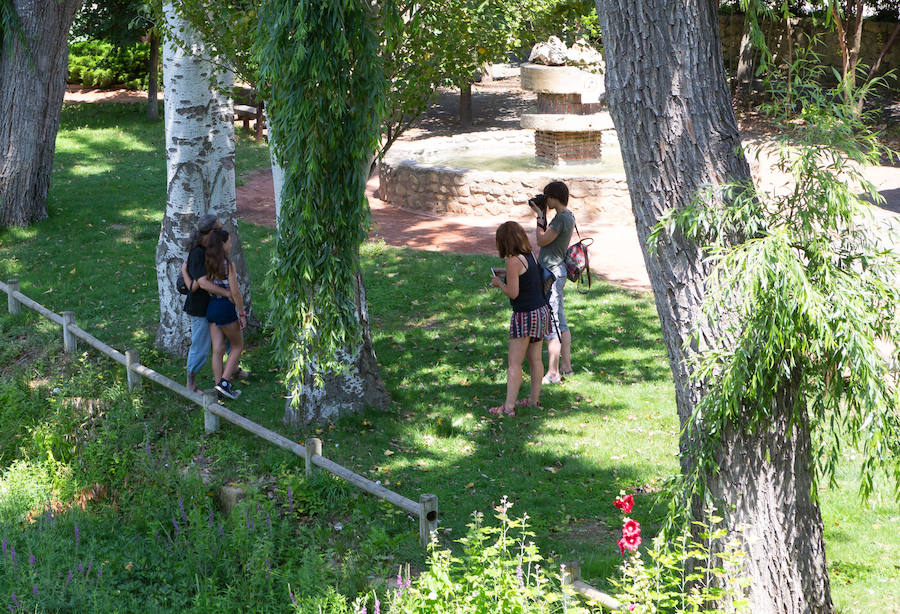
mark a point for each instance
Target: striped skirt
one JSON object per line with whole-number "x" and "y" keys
{"x": 533, "y": 324}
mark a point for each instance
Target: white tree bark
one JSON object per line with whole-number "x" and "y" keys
{"x": 200, "y": 169}
{"x": 359, "y": 385}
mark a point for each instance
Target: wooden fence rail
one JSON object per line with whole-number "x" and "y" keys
{"x": 426, "y": 510}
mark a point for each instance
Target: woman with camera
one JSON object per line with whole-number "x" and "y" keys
{"x": 530, "y": 322}
{"x": 553, "y": 240}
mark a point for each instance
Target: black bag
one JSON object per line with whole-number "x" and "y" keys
{"x": 547, "y": 280}
{"x": 180, "y": 285}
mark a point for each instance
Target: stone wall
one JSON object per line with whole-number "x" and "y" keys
{"x": 409, "y": 182}
{"x": 875, "y": 35}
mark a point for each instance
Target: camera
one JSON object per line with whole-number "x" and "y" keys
{"x": 539, "y": 201}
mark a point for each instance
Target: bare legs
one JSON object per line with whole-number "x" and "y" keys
{"x": 518, "y": 350}
{"x": 235, "y": 337}
{"x": 559, "y": 355}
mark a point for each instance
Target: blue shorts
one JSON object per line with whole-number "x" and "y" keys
{"x": 221, "y": 311}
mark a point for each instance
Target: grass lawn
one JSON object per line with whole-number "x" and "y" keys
{"x": 67, "y": 423}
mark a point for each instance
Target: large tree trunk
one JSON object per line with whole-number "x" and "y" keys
{"x": 672, "y": 111}
{"x": 360, "y": 385}
{"x": 200, "y": 170}
{"x": 341, "y": 393}
{"x": 32, "y": 85}
{"x": 153, "y": 69}
{"x": 746, "y": 66}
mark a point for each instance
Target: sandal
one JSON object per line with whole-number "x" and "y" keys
{"x": 548, "y": 380}
{"x": 525, "y": 403}
{"x": 502, "y": 409}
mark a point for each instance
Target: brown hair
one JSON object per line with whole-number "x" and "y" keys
{"x": 216, "y": 258}
{"x": 557, "y": 190}
{"x": 512, "y": 240}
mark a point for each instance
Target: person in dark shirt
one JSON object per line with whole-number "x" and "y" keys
{"x": 530, "y": 320}
{"x": 197, "y": 300}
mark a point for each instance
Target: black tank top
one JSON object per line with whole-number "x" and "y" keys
{"x": 530, "y": 295}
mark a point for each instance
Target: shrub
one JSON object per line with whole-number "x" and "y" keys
{"x": 100, "y": 64}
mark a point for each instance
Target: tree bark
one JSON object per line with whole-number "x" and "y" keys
{"x": 342, "y": 393}
{"x": 465, "y": 104}
{"x": 32, "y": 85}
{"x": 743, "y": 77}
{"x": 360, "y": 385}
{"x": 672, "y": 110}
{"x": 200, "y": 171}
{"x": 152, "y": 85}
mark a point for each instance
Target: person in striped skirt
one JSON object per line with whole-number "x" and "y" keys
{"x": 520, "y": 280}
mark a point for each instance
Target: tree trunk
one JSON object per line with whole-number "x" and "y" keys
{"x": 32, "y": 85}
{"x": 200, "y": 171}
{"x": 744, "y": 75}
{"x": 672, "y": 110}
{"x": 342, "y": 393}
{"x": 465, "y": 104}
{"x": 152, "y": 85}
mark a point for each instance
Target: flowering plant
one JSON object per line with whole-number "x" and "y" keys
{"x": 631, "y": 529}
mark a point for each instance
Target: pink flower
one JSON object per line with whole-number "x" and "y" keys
{"x": 631, "y": 527}
{"x": 626, "y": 503}
{"x": 632, "y": 541}
{"x": 621, "y": 544}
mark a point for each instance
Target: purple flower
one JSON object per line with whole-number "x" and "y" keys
{"x": 99, "y": 573}
{"x": 363, "y": 610}
{"x": 31, "y": 559}
{"x": 209, "y": 522}
{"x": 69, "y": 577}
{"x": 399, "y": 579}
{"x": 290, "y": 499}
{"x": 10, "y": 608}
{"x": 77, "y": 536}
{"x": 147, "y": 449}
{"x": 80, "y": 568}
{"x": 90, "y": 566}
{"x": 15, "y": 600}
{"x": 293, "y": 599}
{"x": 34, "y": 589}
{"x": 377, "y": 606}
{"x": 268, "y": 520}
{"x": 519, "y": 576}
{"x": 3, "y": 542}
{"x": 181, "y": 509}
{"x": 177, "y": 528}
{"x": 12, "y": 555}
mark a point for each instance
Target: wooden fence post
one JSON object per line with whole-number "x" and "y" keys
{"x": 210, "y": 420}
{"x": 132, "y": 358}
{"x": 14, "y": 306}
{"x": 312, "y": 446}
{"x": 69, "y": 343}
{"x": 569, "y": 573}
{"x": 428, "y": 514}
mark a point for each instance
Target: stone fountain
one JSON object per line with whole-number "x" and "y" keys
{"x": 570, "y": 137}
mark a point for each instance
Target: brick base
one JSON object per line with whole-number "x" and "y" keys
{"x": 557, "y": 147}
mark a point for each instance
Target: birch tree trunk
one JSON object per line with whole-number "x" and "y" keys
{"x": 672, "y": 110}
{"x": 340, "y": 393}
{"x": 32, "y": 85}
{"x": 200, "y": 170}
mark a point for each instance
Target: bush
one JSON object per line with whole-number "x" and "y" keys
{"x": 99, "y": 64}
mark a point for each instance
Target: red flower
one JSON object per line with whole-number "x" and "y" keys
{"x": 631, "y": 527}
{"x": 626, "y": 503}
{"x": 631, "y": 541}
{"x": 621, "y": 543}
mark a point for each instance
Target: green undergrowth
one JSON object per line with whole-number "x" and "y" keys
{"x": 72, "y": 434}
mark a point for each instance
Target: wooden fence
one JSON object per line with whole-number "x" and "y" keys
{"x": 426, "y": 510}
{"x": 571, "y": 581}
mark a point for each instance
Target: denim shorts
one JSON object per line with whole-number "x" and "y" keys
{"x": 221, "y": 311}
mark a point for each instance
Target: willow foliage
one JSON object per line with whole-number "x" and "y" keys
{"x": 805, "y": 291}
{"x": 324, "y": 88}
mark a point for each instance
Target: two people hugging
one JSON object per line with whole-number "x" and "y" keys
{"x": 215, "y": 305}
{"x": 535, "y": 319}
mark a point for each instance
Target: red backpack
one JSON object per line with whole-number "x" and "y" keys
{"x": 577, "y": 260}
